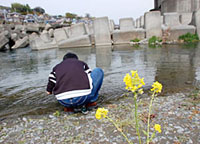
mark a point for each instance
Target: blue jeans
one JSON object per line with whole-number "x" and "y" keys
{"x": 97, "y": 79}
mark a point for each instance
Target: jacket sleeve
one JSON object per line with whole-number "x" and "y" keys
{"x": 51, "y": 82}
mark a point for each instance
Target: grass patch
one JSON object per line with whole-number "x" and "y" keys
{"x": 189, "y": 38}
{"x": 153, "y": 41}
{"x": 135, "y": 40}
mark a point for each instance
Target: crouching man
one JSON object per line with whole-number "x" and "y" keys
{"x": 74, "y": 85}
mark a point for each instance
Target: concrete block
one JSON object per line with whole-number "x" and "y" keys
{"x": 90, "y": 31}
{"x": 152, "y": 24}
{"x": 124, "y": 37}
{"x": 77, "y": 30}
{"x": 102, "y": 31}
{"x": 45, "y": 36}
{"x": 47, "y": 26}
{"x": 137, "y": 23}
{"x": 3, "y": 41}
{"x": 60, "y": 35}
{"x": 80, "y": 41}
{"x": 112, "y": 25}
{"x": 20, "y": 27}
{"x": 21, "y": 43}
{"x": 126, "y": 24}
{"x": 51, "y": 32}
{"x": 177, "y": 31}
{"x": 142, "y": 22}
{"x": 196, "y": 21}
{"x": 185, "y": 18}
{"x": 171, "y": 19}
{"x": 176, "y": 6}
{"x": 30, "y": 28}
{"x": 36, "y": 43}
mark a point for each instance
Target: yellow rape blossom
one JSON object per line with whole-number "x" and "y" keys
{"x": 157, "y": 127}
{"x": 157, "y": 87}
{"x": 101, "y": 113}
{"x": 133, "y": 82}
{"x": 140, "y": 91}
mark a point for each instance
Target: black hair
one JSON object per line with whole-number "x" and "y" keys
{"x": 70, "y": 55}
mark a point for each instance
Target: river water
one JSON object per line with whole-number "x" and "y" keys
{"x": 24, "y": 73}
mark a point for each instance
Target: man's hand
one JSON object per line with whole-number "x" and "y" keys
{"x": 48, "y": 92}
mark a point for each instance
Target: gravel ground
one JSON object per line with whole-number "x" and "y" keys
{"x": 178, "y": 114}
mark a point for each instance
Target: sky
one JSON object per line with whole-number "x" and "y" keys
{"x": 114, "y": 9}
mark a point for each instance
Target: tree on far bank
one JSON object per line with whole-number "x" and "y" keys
{"x": 23, "y": 9}
{"x": 70, "y": 16}
{"x": 39, "y": 10}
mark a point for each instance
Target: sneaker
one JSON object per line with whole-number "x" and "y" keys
{"x": 67, "y": 109}
{"x": 84, "y": 110}
{"x": 91, "y": 105}
{"x": 81, "y": 109}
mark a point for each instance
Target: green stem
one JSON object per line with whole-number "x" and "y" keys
{"x": 149, "y": 115}
{"x": 136, "y": 118}
{"x": 118, "y": 129}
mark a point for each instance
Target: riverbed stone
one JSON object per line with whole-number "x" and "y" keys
{"x": 185, "y": 18}
{"x": 171, "y": 19}
{"x": 21, "y": 43}
{"x": 152, "y": 24}
{"x": 102, "y": 31}
{"x": 124, "y": 37}
{"x": 126, "y": 24}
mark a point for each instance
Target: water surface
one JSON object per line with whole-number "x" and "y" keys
{"x": 24, "y": 73}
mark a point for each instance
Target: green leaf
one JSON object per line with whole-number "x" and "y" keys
{"x": 145, "y": 133}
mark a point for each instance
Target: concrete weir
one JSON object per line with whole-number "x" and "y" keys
{"x": 127, "y": 32}
{"x": 178, "y": 24}
{"x": 102, "y": 31}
